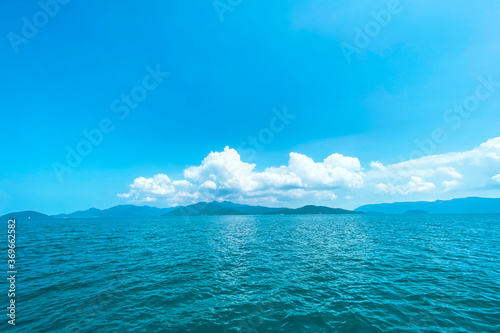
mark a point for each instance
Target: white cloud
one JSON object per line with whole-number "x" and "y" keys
{"x": 336, "y": 170}
{"x": 449, "y": 171}
{"x": 449, "y": 184}
{"x": 224, "y": 176}
{"x": 210, "y": 185}
{"x": 159, "y": 184}
{"x": 496, "y": 178}
{"x": 444, "y": 169}
{"x": 416, "y": 184}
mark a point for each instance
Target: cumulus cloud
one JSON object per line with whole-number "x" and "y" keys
{"x": 224, "y": 176}
{"x": 447, "y": 170}
{"x": 416, "y": 184}
{"x": 449, "y": 184}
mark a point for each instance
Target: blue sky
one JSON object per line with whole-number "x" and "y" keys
{"x": 227, "y": 80}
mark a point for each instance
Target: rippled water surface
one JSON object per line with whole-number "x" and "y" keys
{"x": 259, "y": 274}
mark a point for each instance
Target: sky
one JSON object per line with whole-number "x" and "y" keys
{"x": 287, "y": 103}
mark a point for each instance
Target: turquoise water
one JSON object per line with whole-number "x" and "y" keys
{"x": 259, "y": 274}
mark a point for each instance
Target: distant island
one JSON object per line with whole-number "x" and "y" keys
{"x": 26, "y": 215}
{"x": 230, "y": 208}
{"x": 117, "y": 211}
{"x": 213, "y": 208}
{"x": 470, "y": 205}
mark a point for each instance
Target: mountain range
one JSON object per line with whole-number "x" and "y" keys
{"x": 198, "y": 209}
{"x": 230, "y": 208}
{"x": 25, "y": 215}
{"x": 471, "y": 205}
{"x": 117, "y": 211}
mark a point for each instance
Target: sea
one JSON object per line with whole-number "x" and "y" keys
{"x": 309, "y": 273}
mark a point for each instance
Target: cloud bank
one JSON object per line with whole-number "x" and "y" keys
{"x": 224, "y": 176}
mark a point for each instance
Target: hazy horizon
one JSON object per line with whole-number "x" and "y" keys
{"x": 270, "y": 206}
